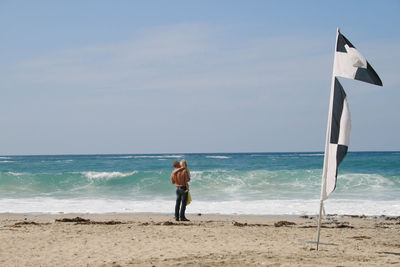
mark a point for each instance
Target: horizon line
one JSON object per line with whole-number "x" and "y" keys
{"x": 188, "y": 153}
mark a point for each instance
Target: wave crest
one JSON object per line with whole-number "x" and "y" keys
{"x": 107, "y": 175}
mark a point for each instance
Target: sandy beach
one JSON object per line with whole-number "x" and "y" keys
{"x": 207, "y": 240}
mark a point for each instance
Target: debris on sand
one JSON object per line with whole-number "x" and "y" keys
{"x": 79, "y": 220}
{"x": 76, "y": 219}
{"x": 283, "y": 223}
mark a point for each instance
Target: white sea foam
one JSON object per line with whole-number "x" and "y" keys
{"x": 260, "y": 207}
{"x": 107, "y": 175}
{"x": 218, "y": 157}
{"x": 209, "y": 171}
{"x": 5, "y": 158}
{"x": 16, "y": 173}
{"x": 65, "y": 160}
{"x": 158, "y": 157}
{"x": 365, "y": 182}
{"x": 6, "y": 161}
{"x": 207, "y": 174}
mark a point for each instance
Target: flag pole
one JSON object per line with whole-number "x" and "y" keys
{"x": 328, "y": 135}
{"x": 319, "y": 221}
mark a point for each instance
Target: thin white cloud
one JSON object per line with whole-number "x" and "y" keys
{"x": 179, "y": 57}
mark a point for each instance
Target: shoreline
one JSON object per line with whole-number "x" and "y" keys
{"x": 169, "y": 214}
{"x": 265, "y": 207}
{"x": 77, "y": 239}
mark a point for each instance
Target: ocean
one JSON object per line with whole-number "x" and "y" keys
{"x": 368, "y": 183}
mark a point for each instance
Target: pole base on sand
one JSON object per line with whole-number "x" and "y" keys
{"x": 315, "y": 242}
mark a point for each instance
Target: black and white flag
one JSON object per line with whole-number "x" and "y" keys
{"x": 339, "y": 137}
{"x": 348, "y": 63}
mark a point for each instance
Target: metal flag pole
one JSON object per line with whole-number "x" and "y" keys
{"x": 319, "y": 221}
{"x": 328, "y": 135}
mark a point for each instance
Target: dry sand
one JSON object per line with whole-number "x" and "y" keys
{"x": 157, "y": 240}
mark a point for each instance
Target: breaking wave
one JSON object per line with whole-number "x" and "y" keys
{"x": 256, "y": 183}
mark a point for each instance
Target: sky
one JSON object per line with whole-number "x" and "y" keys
{"x": 94, "y": 77}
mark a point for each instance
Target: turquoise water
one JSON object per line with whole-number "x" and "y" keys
{"x": 244, "y": 183}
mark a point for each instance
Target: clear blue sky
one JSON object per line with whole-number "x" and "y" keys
{"x": 190, "y": 76}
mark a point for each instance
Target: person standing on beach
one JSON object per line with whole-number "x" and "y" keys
{"x": 180, "y": 178}
{"x": 185, "y": 166}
